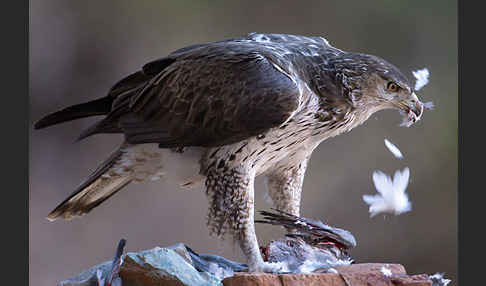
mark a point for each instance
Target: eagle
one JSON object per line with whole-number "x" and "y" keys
{"x": 230, "y": 111}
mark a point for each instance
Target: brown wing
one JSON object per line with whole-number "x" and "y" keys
{"x": 207, "y": 95}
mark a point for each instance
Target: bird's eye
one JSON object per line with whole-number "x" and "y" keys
{"x": 391, "y": 86}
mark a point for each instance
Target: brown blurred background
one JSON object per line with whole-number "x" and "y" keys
{"x": 78, "y": 49}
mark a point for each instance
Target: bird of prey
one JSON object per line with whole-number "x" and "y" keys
{"x": 230, "y": 111}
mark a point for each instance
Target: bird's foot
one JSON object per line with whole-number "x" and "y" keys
{"x": 269, "y": 267}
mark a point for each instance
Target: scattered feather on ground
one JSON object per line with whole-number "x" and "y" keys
{"x": 220, "y": 272}
{"x": 392, "y": 197}
{"x": 295, "y": 256}
{"x": 393, "y": 149}
{"x": 332, "y": 270}
{"x": 386, "y": 271}
{"x": 439, "y": 280}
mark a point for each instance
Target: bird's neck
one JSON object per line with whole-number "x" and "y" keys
{"x": 325, "y": 75}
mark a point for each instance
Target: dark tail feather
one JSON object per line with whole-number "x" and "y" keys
{"x": 100, "y": 106}
{"x": 95, "y": 190}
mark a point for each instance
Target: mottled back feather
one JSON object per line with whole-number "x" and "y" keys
{"x": 205, "y": 95}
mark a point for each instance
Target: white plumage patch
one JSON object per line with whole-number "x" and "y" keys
{"x": 438, "y": 279}
{"x": 421, "y": 78}
{"x": 386, "y": 271}
{"x": 332, "y": 270}
{"x": 429, "y": 105}
{"x": 393, "y": 149}
{"x": 220, "y": 272}
{"x": 392, "y": 197}
{"x": 99, "y": 276}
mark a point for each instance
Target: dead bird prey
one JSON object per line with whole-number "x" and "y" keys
{"x": 310, "y": 245}
{"x": 230, "y": 111}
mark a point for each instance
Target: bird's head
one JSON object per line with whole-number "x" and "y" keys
{"x": 375, "y": 84}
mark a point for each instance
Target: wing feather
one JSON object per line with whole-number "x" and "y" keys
{"x": 207, "y": 96}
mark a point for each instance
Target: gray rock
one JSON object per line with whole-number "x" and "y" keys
{"x": 88, "y": 277}
{"x": 206, "y": 263}
{"x": 181, "y": 249}
{"x": 153, "y": 266}
{"x": 103, "y": 274}
{"x": 172, "y": 265}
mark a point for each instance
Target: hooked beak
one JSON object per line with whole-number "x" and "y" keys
{"x": 412, "y": 108}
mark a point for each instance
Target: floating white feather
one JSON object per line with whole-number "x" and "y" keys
{"x": 392, "y": 197}
{"x": 422, "y": 78}
{"x": 393, "y": 149}
{"x": 429, "y": 105}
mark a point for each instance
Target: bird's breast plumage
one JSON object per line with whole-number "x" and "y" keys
{"x": 286, "y": 145}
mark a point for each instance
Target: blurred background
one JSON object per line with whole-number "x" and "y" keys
{"x": 79, "y": 49}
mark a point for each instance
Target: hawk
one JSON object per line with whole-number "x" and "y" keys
{"x": 230, "y": 111}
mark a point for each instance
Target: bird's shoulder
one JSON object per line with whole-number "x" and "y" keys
{"x": 267, "y": 44}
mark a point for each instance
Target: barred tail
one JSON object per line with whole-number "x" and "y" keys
{"x": 100, "y": 185}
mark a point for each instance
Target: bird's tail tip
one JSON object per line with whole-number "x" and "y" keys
{"x": 101, "y": 106}
{"x": 61, "y": 213}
